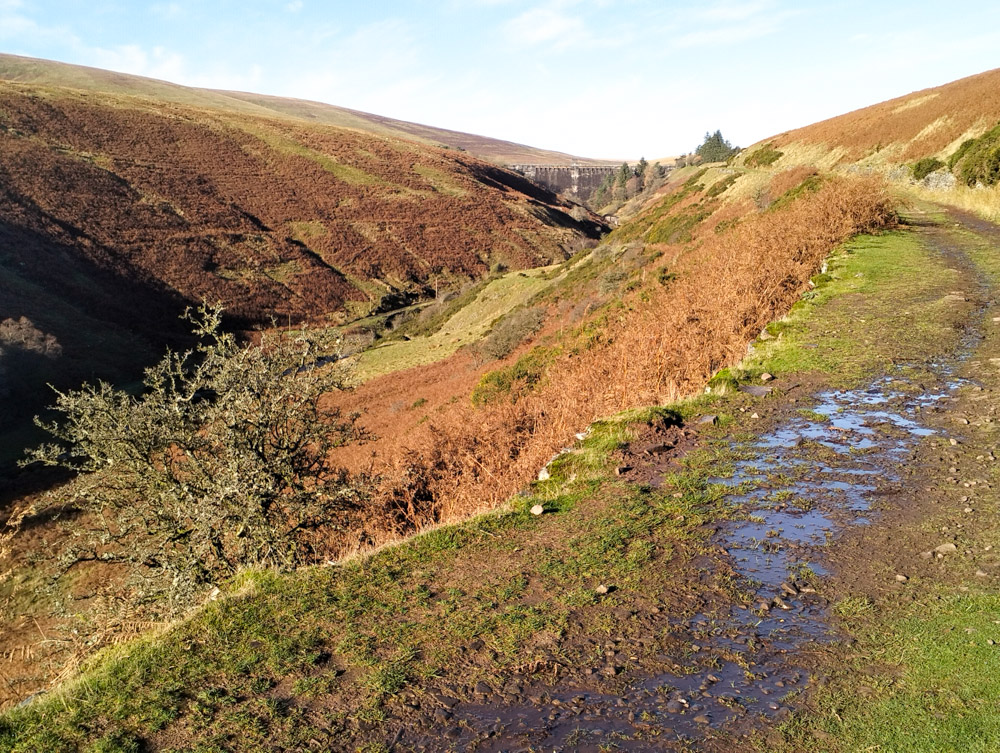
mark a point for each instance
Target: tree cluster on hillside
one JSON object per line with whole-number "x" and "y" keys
{"x": 220, "y": 462}
{"x": 715, "y": 148}
{"x": 627, "y": 183}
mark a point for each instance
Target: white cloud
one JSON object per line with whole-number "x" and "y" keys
{"x": 545, "y": 25}
{"x": 167, "y": 10}
{"x": 295, "y": 6}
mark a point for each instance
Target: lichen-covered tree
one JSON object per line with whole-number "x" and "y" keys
{"x": 220, "y": 462}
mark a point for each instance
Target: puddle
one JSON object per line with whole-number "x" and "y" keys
{"x": 811, "y": 478}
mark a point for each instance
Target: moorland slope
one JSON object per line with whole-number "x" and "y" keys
{"x": 51, "y": 73}
{"x": 692, "y": 568}
{"x": 118, "y": 209}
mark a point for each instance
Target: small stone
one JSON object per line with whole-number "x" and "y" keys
{"x": 703, "y": 719}
{"x": 754, "y": 415}
{"x": 765, "y": 377}
{"x": 483, "y": 688}
{"x": 544, "y": 475}
{"x": 982, "y": 574}
{"x": 947, "y": 548}
{"x": 968, "y": 509}
{"x": 953, "y": 442}
{"x": 963, "y": 421}
{"x": 537, "y": 510}
{"x": 709, "y": 419}
{"x": 602, "y": 589}
{"x": 622, "y": 470}
{"x": 789, "y": 590}
{"x": 901, "y": 578}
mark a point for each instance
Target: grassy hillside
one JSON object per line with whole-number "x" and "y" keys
{"x": 50, "y": 73}
{"x": 941, "y": 143}
{"x": 119, "y": 209}
{"x": 532, "y": 547}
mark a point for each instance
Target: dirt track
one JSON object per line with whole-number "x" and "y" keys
{"x": 835, "y": 493}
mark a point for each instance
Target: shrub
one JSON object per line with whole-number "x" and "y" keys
{"x": 511, "y": 331}
{"x": 219, "y": 463}
{"x": 925, "y": 167}
{"x": 721, "y": 186}
{"x": 763, "y": 157}
{"x": 520, "y": 377}
{"x": 978, "y": 160}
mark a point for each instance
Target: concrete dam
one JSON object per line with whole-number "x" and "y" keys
{"x": 578, "y": 180}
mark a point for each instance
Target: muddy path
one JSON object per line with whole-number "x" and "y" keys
{"x": 820, "y": 468}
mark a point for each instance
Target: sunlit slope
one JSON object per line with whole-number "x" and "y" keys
{"x": 51, "y": 73}
{"x": 927, "y": 123}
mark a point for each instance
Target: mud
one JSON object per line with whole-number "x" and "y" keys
{"x": 825, "y": 467}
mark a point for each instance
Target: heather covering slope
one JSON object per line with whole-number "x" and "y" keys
{"x": 117, "y": 211}
{"x": 51, "y": 73}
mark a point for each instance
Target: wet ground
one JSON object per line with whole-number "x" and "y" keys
{"x": 818, "y": 472}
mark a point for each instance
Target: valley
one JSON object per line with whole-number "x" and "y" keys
{"x": 722, "y": 477}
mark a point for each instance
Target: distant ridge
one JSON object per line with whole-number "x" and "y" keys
{"x": 51, "y": 73}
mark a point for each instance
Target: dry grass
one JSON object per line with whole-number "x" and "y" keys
{"x": 662, "y": 344}
{"x": 921, "y": 124}
{"x": 984, "y": 202}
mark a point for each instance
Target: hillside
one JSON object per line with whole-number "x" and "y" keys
{"x": 927, "y": 123}
{"x": 50, "y": 73}
{"x": 702, "y": 485}
{"x": 117, "y": 211}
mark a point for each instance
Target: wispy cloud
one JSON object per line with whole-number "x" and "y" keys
{"x": 167, "y": 10}
{"x": 544, "y": 26}
{"x": 731, "y": 24}
{"x": 295, "y": 6}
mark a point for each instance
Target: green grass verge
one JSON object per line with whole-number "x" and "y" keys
{"x": 884, "y": 299}
{"x": 240, "y": 672}
{"x": 944, "y": 696}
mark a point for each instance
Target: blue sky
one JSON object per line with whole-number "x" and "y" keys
{"x": 597, "y": 78}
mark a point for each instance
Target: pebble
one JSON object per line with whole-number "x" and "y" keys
{"x": 765, "y": 377}
{"x": 754, "y": 415}
{"x": 537, "y": 510}
{"x": 968, "y": 509}
{"x": 954, "y": 442}
{"x": 602, "y": 589}
{"x": 901, "y": 578}
{"x": 703, "y": 719}
{"x": 982, "y": 574}
{"x": 946, "y": 548}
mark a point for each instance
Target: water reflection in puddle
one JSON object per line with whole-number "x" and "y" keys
{"x": 808, "y": 479}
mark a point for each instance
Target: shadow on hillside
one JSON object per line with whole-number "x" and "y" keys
{"x": 66, "y": 319}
